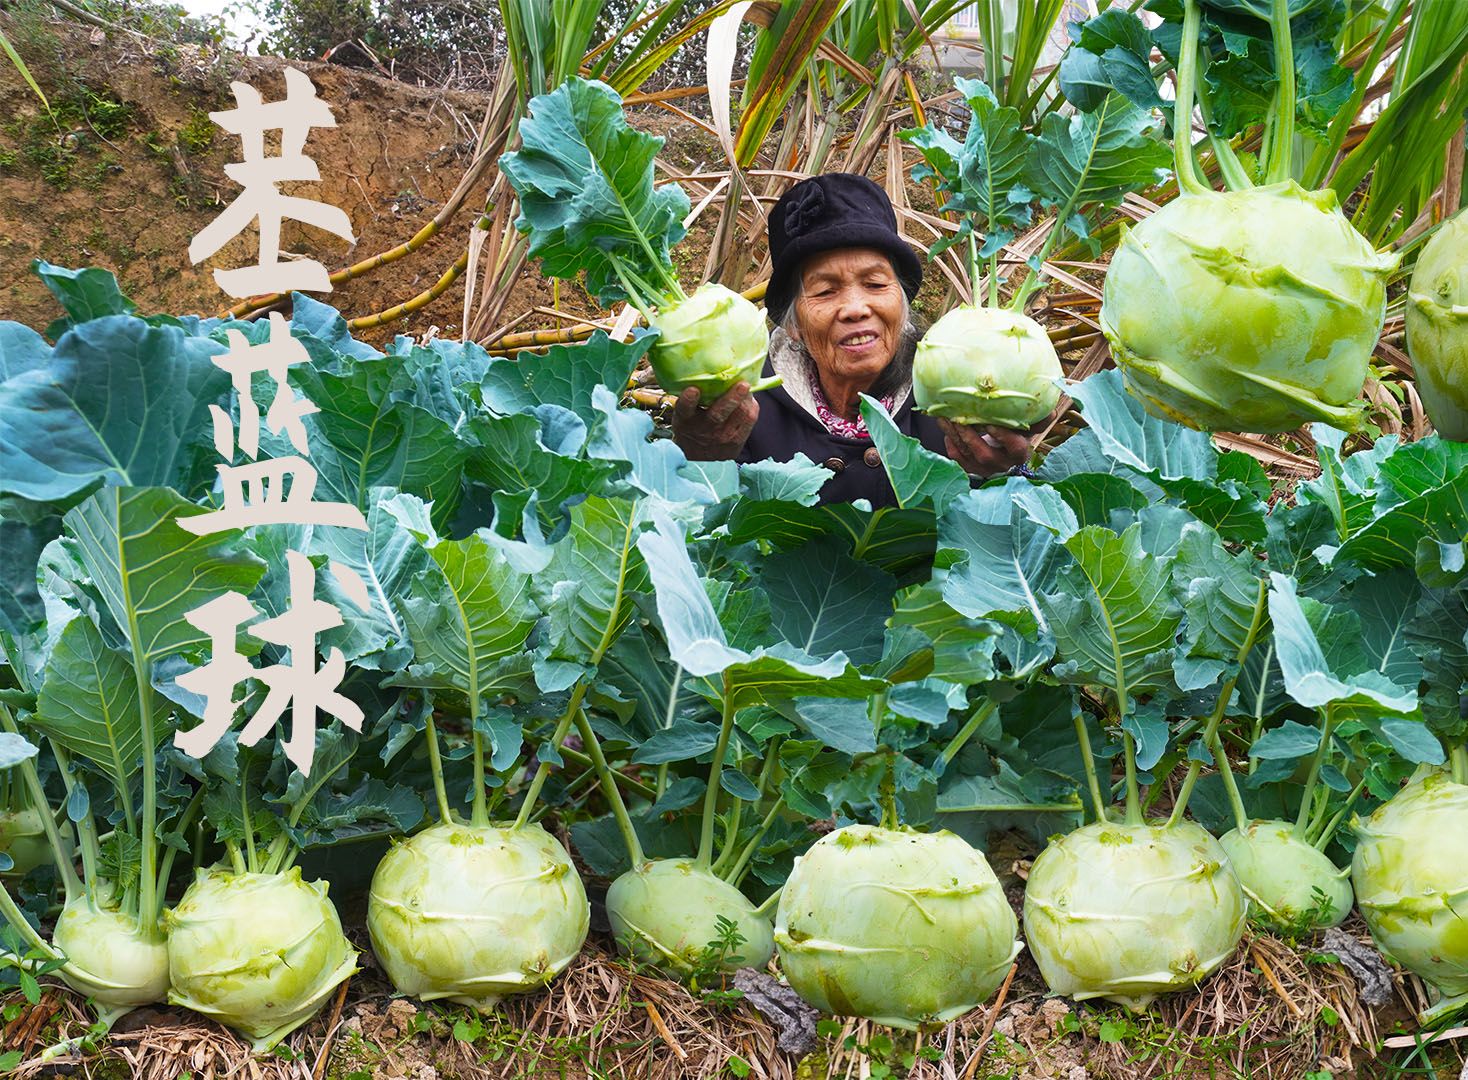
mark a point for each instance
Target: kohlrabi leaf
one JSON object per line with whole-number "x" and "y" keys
{"x": 120, "y": 402}
{"x": 564, "y": 375}
{"x": 505, "y": 453}
{"x": 655, "y": 464}
{"x": 998, "y": 569}
{"x": 823, "y": 601}
{"x": 149, "y": 572}
{"x": 979, "y": 174}
{"x": 1110, "y": 52}
{"x": 1352, "y": 685}
{"x": 1391, "y": 540}
{"x": 21, "y": 350}
{"x": 587, "y": 197}
{"x": 14, "y": 749}
{"x": 1089, "y": 159}
{"x": 919, "y": 476}
{"x": 1113, "y": 617}
{"x": 962, "y": 648}
{"x": 588, "y": 588}
{"x": 86, "y": 294}
{"x": 1437, "y": 636}
{"x": 1223, "y": 599}
{"x": 465, "y": 611}
{"x": 89, "y": 704}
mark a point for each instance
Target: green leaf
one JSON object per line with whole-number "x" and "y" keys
{"x": 1288, "y": 742}
{"x": 1440, "y": 514}
{"x": 1096, "y": 157}
{"x": 963, "y": 648}
{"x": 21, "y": 350}
{"x": 919, "y": 476}
{"x": 150, "y": 573}
{"x": 89, "y": 703}
{"x": 1114, "y": 619}
{"x": 656, "y": 464}
{"x": 564, "y": 375}
{"x": 979, "y": 175}
{"x": 1307, "y": 671}
{"x": 1413, "y": 740}
{"x": 1437, "y": 635}
{"x": 465, "y": 612}
{"x": 1219, "y": 592}
{"x": 120, "y": 402}
{"x": 585, "y": 182}
{"x": 823, "y": 601}
{"x": 840, "y": 723}
{"x": 798, "y": 480}
{"x": 595, "y": 570}
{"x": 86, "y": 294}
{"x": 506, "y": 453}
{"x": 997, "y": 569}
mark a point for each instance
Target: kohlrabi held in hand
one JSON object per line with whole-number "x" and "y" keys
{"x": 982, "y": 366}
{"x": 1437, "y": 328}
{"x": 612, "y": 223}
{"x": 1252, "y": 309}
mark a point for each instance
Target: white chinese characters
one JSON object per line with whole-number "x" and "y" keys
{"x": 265, "y": 492}
{"x": 293, "y": 116}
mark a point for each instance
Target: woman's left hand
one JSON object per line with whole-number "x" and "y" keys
{"x": 985, "y": 451}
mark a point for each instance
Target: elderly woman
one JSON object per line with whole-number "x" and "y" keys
{"x": 839, "y": 297}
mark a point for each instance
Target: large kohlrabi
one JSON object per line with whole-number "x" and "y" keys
{"x": 586, "y": 184}
{"x": 476, "y": 910}
{"x": 983, "y": 363}
{"x": 1437, "y": 327}
{"x": 1250, "y": 309}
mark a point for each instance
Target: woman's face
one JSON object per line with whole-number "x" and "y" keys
{"x": 850, "y": 313}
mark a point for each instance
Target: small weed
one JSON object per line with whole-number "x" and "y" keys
{"x": 197, "y": 135}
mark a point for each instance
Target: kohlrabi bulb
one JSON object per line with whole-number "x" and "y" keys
{"x": 1437, "y": 328}
{"x": 666, "y": 912}
{"x": 260, "y": 953}
{"x": 474, "y": 914}
{"x": 23, "y": 838}
{"x": 109, "y": 959}
{"x": 900, "y": 926}
{"x": 1410, "y": 870}
{"x": 979, "y": 365}
{"x": 1128, "y": 912}
{"x": 1290, "y": 884}
{"x": 1250, "y": 310}
{"x": 711, "y": 340}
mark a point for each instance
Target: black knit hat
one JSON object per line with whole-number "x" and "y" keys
{"x": 826, "y": 212}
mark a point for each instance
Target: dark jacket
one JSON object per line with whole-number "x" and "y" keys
{"x": 785, "y": 429}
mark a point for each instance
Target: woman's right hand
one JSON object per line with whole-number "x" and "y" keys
{"x": 718, "y": 432}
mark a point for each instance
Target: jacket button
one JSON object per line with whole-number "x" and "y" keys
{"x": 835, "y": 464}
{"x": 871, "y": 457}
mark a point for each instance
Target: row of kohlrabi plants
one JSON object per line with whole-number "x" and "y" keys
{"x": 1133, "y": 652}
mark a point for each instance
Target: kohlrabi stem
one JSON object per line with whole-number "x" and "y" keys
{"x": 769, "y": 904}
{"x": 973, "y": 269}
{"x": 716, "y": 771}
{"x": 1230, "y": 785}
{"x": 668, "y": 716}
{"x": 1182, "y": 115}
{"x": 975, "y": 721}
{"x": 1307, "y": 799}
{"x": 1088, "y": 763}
{"x": 1282, "y": 129}
{"x": 236, "y": 860}
{"x": 637, "y": 787}
{"x": 60, "y": 850}
{"x": 1323, "y": 837}
{"x": 1133, "y": 794}
{"x": 1225, "y": 695}
{"x": 542, "y": 771}
{"x": 245, "y": 823}
{"x": 609, "y": 789}
{"x": 736, "y": 871}
{"x": 1458, "y": 763}
{"x": 165, "y": 864}
{"x": 435, "y": 766}
{"x": 887, "y": 795}
{"x": 1229, "y": 165}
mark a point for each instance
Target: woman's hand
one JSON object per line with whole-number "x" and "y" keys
{"x": 985, "y": 451}
{"x": 718, "y": 432}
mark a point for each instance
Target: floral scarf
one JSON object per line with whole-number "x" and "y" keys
{"x": 839, "y": 425}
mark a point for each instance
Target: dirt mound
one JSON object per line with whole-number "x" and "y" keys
{"x": 128, "y": 168}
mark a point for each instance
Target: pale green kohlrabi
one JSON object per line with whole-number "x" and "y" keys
{"x": 260, "y": 953}
{"x": 900, "y": 926}
{"x": 1252, "y": 310}
{"x": 476, "y": 913}
{"x": 23, "y": 838}
{"x": 984, "y": 365}
{"x": 1410, "y": 870}
{"x": 666, "y": 912}
{"x": 1437, "y": 328}
{"x": 1128, "y": 912}
{"x": 109, "y": 958}
{"x": 1291, "y": 884}
{"x": 711, "y": 340}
